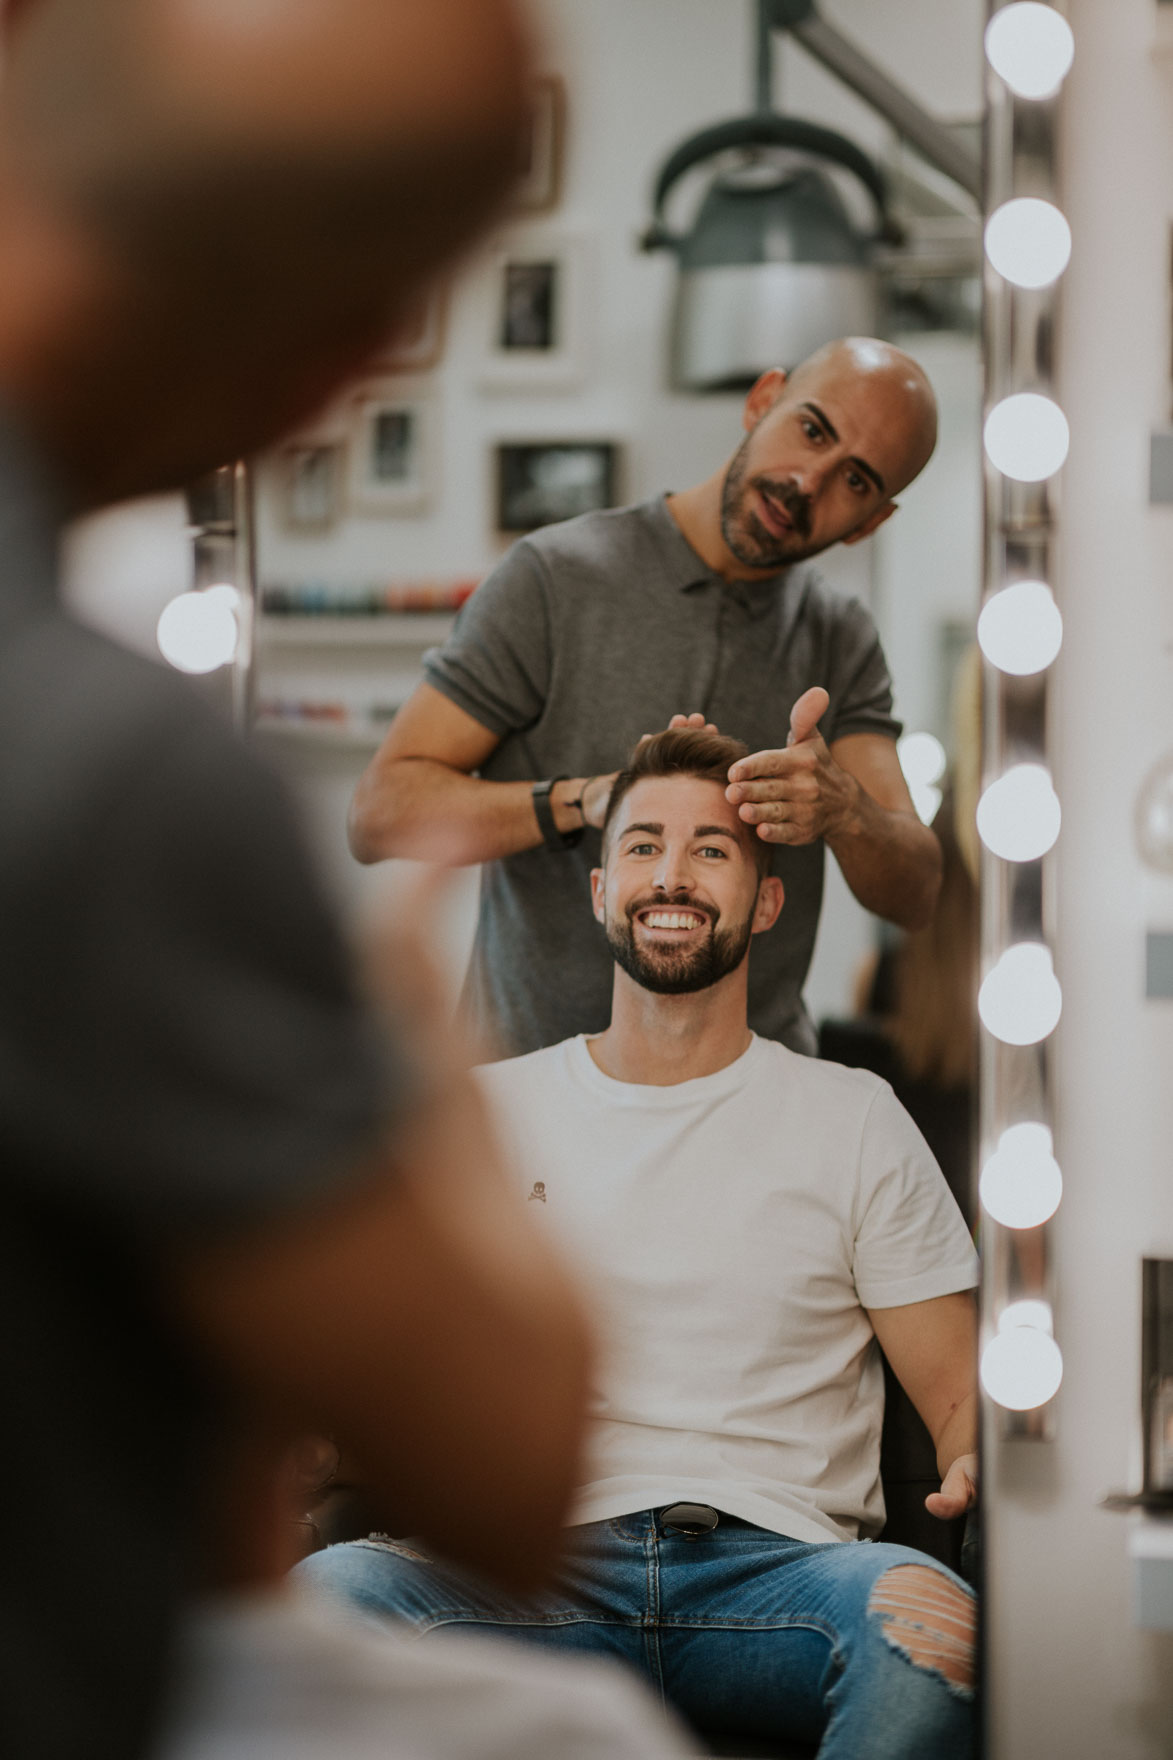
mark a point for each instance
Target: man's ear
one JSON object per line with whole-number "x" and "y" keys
{"x": 762, "y": 396}
{"x": 598, "y": 880}
{"x": 870, "y": 523}
{"x": 769, "y": 903}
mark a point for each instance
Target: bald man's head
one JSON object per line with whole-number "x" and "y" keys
{"x": 265, "y": 182}
{"x": 828, "y": 448}
{"x": 878, "y": 371}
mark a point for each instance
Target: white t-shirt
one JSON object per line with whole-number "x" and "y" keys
{"x": 288, "y": 1674}
{"x": 734, "y": 1229}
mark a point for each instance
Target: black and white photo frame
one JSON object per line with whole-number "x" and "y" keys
{"x": 539, "y": 482}
{"x": 392, "y": 449}
{"x": 534, "y": 307}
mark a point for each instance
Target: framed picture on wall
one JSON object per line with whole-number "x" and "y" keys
{"x": 312, "y": 485}
{"x": 391, "y": 450}
{"x": 418, "y": 341}
{"x": 534, "y": 306}
{"x": 541, "y": 180}
{"x": 539, "y": 482}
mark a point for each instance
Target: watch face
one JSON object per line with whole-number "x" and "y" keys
{"x": 1154, "y": 816}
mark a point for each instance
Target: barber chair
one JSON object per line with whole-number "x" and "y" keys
{"x": 908, "y": 1470}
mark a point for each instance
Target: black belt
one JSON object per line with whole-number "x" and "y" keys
{"x": 690, "y": 1520}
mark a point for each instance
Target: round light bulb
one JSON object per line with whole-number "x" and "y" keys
{"x": 1027, "y": 1311}
{"x": 224, "y": 593}
{"x": 1031, "y": 47}
{"x": 922, "y": 758}
{"x": 1028, "y": 241}
{"x": 1019, "y": 815}
{"x": 1020, "y": 1000}
{"x": 197, "y": 632}
{"x": 1026, "y": 437}
{"x": 1020, "y": 629}
{"x": 1021, "y": 1184}
{"x": 1021, "y": 1368}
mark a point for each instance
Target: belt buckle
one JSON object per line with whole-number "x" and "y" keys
{"x": 689, "y": 1520}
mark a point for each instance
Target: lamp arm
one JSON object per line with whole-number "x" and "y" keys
{"x": 840, "y": 56}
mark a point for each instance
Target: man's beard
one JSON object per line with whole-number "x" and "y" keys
{"x": 678, "y": 969}
{"x": 745, "y": 536}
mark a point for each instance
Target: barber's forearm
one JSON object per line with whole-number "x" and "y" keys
{"x": 891, "y": 862}
{"x": 427, "y": 811}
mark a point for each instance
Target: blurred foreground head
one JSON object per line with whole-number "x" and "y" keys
{"x": 211, "y": 211}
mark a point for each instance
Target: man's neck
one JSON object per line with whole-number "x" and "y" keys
{"x": 656, "y": 1041}
{"x": 697, "y": 512}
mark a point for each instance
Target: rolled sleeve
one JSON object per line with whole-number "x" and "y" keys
{"x": 861, "y": 686}
{"x": 496, "y": 664}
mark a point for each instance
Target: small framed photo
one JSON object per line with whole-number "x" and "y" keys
{"x": 534, "y": 313}
{"x": 391, "y": 450}
{"x": 312, "y": 485}
{"x": 541, "y": 482}
{"x": 541, "y": 179}
{"x": 418, "y": 341}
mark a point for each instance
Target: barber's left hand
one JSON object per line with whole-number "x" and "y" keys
{"x": 958, "y": 1490}
{"x": 799, "y": 793}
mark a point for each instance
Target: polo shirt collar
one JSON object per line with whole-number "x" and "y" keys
{"x": 686, "y": 570}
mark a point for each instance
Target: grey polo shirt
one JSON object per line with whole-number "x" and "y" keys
{"x": 588, "y": 634}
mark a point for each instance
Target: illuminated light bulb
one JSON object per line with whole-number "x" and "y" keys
{"x": 1020, "y": 1000}
{"x": 1026, "y": 437}
{"x": 1018, "y": 817}
{"x": 1020, "y": 629}
{"x": 1021, "y": 1368}
{"x": 1031, "y": 47}
{"x": 1028, "y": 242}
{"x": 922, "y": 758}
{"x": 1027, "y": 1311}
{"x": 1021, "y": 1184}
{"x": 197, "y": 632}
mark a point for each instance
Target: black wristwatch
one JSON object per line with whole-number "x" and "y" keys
{"x": 551, "y": 836}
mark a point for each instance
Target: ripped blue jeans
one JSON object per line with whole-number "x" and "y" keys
{"x": 866, "y": 1649}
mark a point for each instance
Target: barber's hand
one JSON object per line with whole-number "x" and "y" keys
{"x": 958, "y": 1490}
{"x": 595, "y": 791}
{"x": 798, "y": 793}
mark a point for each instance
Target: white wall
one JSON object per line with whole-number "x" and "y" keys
{"x": 1072, "y": 1675}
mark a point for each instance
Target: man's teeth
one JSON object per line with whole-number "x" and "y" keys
{"x": 672, "y": 919}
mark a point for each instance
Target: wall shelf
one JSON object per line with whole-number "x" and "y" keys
{"x": 402, "y": 629}
{"x": 336, "y": 736}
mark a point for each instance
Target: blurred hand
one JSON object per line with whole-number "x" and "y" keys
{"x": 958, "y": 1490}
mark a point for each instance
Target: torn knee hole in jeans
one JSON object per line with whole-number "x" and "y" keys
{"x": 930, "y": 1620}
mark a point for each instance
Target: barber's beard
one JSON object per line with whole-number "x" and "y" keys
{"x": 678, "y": 968}
{"x": 744, "y": 534}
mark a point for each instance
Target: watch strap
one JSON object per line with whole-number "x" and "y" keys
{"x": 544, "y": 813}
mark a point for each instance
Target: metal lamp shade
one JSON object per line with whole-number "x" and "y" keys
{"x": 774, "y": 267}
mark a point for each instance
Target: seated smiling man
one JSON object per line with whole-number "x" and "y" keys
{"x": 752, "y": 1222}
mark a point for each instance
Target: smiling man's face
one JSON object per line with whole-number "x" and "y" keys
{"x": 826, "y": 451}
{"x": 680, "y": 893}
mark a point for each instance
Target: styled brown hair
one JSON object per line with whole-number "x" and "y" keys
{"x": 684, "y": 751}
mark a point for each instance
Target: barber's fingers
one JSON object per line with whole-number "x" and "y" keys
{"x": 696, "y": 719}
{"x": 806, "y": 713}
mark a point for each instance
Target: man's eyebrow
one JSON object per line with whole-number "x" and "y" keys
{"x": 643, "y": 825}
{"x": 715, "y": 831}
{"x": 861, "y": 464}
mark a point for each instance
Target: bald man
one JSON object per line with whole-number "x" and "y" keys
{"x": 593, "y": 632}
{"x": 224, "y": 1188}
